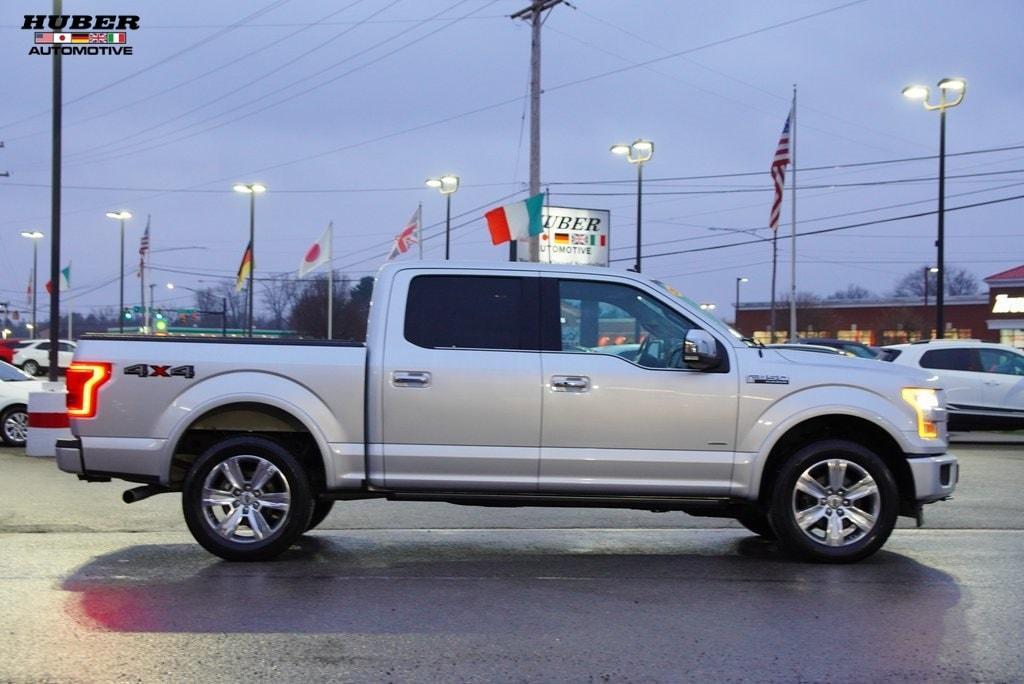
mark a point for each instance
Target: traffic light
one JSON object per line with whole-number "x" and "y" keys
{"x": 161, "y": 324}
{"x": 126, "y": 314}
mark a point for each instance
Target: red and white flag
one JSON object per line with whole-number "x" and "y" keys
{"x": 318, "y": 254}
{"x": 409, "y": 236}
{"x": 778, "y": 170}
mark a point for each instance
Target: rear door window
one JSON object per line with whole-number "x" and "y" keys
{"x": 473, "y": 312}
{"x": 1001, "y": 361}
{"x": 951, "y": 359}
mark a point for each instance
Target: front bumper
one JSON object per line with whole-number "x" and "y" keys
{"x": 935, "y": 477}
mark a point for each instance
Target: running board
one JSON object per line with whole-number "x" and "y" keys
{"x": 706, "y": 506}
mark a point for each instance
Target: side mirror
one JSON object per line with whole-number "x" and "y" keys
{"x": 700, "y": 350}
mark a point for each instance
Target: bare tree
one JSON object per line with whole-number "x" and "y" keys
{"x": 959, "y": 281}
{"x": 852, "y": 291}
{"x": 279, "y": 295}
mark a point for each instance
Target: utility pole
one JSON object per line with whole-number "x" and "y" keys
{"x": 55, "y": 189}
{"x": 533, "y": 14}
{"x": 3, "y": 174}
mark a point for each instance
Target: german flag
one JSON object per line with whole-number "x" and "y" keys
{"x": 561, "y": 238}
{"x": 244, "y": 269}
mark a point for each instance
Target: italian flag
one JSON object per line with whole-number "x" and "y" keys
{"x": 65, "y": 280}
{"x": 516, "y": 221}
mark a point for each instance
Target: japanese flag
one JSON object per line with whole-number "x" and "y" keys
{"x": 318, "y": 254}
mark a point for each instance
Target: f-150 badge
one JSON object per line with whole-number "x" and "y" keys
{"x": 767, "y": 380}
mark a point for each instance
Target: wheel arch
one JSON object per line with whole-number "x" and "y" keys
{"x": 286, "y": 425}
{"x": 853, "y": 428}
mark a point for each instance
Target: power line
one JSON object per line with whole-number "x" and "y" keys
{"x": 889, "y": 181}
{"x": 118, "y": 152}
{"x": 826, "y": 167}
{"x": 829, "y": 230}
{"x": 825, "y": 218}
{"x": 181, "y": 84}
{"x": 200, "y": 43}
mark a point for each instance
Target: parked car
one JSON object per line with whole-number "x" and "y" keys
{"x": 483, "y": 384}
{"x": 33, "y": 356}
{"x": 797, "y": 346}
{"x": 984, "y": 382}
{"x": 845, "y": 346}
{"x": 14, "y": 388}
{"x": 7, "y": 348}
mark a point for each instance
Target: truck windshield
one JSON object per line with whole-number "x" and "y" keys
{"x": 717, "y": 322}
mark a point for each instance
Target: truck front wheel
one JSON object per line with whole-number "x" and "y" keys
{"x": 834, "y": 501}
{"x": 247, "y": 499}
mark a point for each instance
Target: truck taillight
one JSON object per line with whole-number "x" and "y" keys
{"x": 83, "y": 382}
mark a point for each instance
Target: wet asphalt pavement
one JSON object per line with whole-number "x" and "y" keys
{"x": 92, "y": 590}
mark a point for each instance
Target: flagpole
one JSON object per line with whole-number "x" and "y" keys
{"x": 419, "y": 228}
{"x": 792, "y": 204}
{"x": 775, "y": 261}
{"x": 142, "y": 290}
{"x": 330, "y": 280}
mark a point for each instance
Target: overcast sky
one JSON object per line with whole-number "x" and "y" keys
{"x": 361, "y": 100}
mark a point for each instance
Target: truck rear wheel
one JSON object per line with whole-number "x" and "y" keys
{"x": 247, "y": 499}
{"x": 834, "y": 501}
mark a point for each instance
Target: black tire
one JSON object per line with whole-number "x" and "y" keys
{"x": 14, "y": 425}
{"x": 287, "y": 486}
{"x": 859, "y": 532}
{"x": 757, "y": 522}
{"x": 321, "y": 508}
{"x": 31, "y": 367}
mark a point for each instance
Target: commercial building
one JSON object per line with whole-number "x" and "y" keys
{"x": 997, "y": 316}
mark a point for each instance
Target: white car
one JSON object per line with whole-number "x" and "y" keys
{"x": 984, "y": 382}
{"x": 14, "y": 388}
{"x": 33, "y": 356}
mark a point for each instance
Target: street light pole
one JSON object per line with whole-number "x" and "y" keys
{"x": 739, "y": 279}
{"x": 446, "y": 185}
{"x": 638, "y": 152}
{"x": 121, "y": 217}
{"x": 920, "y": 92}
{"x": 252, "y": 189}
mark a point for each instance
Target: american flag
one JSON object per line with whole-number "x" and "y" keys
{"x": 779, "y": 164}
{"x": 409, "y": 236}
{"x": 144, "y": 247}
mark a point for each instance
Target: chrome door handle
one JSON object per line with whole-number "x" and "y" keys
{"x": 410, "y": 379}
{"x": 570, "y": 383}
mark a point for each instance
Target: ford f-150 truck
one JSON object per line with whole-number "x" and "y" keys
{"x": 512, "y": 385}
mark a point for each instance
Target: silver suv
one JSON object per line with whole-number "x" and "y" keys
{"x": 984, "y": 382}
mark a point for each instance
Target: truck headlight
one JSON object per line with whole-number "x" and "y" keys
{"x": 925, "y": 403}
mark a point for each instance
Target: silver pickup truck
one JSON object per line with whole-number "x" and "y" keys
{"x": 512, "y": 385}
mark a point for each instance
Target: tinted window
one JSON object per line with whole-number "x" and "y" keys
{"x": 472, "y": 312}
{"x": 1001, "y": 361}
{"x": 44, "y": 346}
{"x": 606, "y": 318}
{"x": 951, "y": 359}
{"x": 65, "y": 346}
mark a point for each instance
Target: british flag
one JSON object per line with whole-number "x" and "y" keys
{"x": 409, "y": 236}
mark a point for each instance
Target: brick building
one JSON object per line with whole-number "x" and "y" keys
{"x": 997, "y": 316}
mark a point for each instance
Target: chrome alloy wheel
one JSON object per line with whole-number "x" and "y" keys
{"x": 836, "y": 502}
{"x": 245, "y": 499}
{"x": 15, "y": 427}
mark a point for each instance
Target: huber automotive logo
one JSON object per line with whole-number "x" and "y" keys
{"x": 81, "y": 34}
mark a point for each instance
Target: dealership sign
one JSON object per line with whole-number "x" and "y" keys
{"x": 1005, "y": 304}
{"x": 575, "y": 236}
